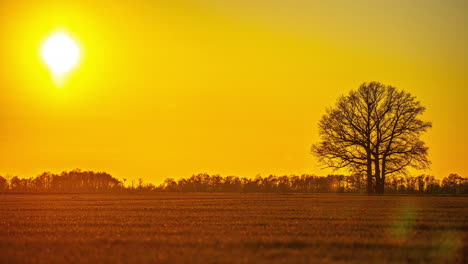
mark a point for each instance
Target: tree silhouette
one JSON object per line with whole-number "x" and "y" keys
{"x": 455, "y": 184}
{"x": 375, "y": 129}
{"x": 3, "y": 184}
{"x": 78, "y": 181}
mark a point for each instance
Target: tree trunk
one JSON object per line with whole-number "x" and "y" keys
{"x": 382, "y": 180}
{"x": 378, "y": 178}
{"x": 370, "y": 188}
{"x": 382, "y": 185}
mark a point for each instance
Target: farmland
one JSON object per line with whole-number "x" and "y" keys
{"x": 232, "y": 228}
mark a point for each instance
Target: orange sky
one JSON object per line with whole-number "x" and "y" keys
{"x": 176, "y": 87}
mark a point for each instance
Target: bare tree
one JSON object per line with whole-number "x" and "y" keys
{"x": 375, "y": 129}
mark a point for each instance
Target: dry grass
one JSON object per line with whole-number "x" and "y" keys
{"x": 233, "y": 228}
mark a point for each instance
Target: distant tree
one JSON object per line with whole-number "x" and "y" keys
{"x": 15, "y": 183}
{"x": 170, "y": 185}
{"x": 421, "y": 183}
{"x": 140, "y": 183}
{"x": 455, "y": 184}
{"x": 432, "y": 184}
{"x": 375, "y": 129}
{"x": 411, "y": 183}
{"x": 356, "y": 182}
{"x": 3, "y": 184}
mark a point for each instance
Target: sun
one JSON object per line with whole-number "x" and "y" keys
{"x": 61, "y": 53}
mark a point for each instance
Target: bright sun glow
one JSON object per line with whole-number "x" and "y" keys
{"x": 60, "y": 53}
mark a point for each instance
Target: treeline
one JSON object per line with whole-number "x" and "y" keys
{"x": 66, "y": 182}
{"x": 78, "y": 181}
{"x": 423, "y": 184}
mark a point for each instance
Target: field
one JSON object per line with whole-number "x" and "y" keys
{"x": 233, "y": 228}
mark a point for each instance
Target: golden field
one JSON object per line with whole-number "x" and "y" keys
{"x": 232, "y": 228}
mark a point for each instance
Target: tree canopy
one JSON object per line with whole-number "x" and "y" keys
{"x": 375, "y": 129}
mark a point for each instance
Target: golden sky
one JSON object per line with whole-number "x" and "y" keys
{"x": 236, "y": 87}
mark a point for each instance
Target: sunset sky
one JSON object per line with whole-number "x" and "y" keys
{"x": 236, "y": 87}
